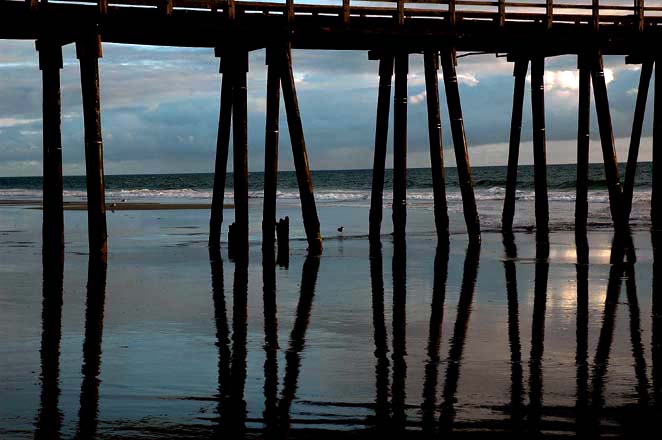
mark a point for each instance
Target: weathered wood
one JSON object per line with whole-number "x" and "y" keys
{"x": 639, "y": 13}
{"x": 32, "y": 5}
{"x": 595, "y": 15}
{"x": 289, "y": 5}
{"x": 271, "y": 147}
{"x": 635, "y": 137}
{"x": 607, "y": 142}
{"x": 381, "y": 139}
{"x": 519, "y": 72}
{"x": 452, "y": 16}
{"x": 50, "y": 63}
{"x": 501, "y": 20}
{"x": 400, "y": 144}
{"x": 656, "y": 191}
{"x": 401, "y": 12}
{"x": 539, "y": 144}
{"x": 583, "y": 141}
{"x": 431, "y": 63}
{"x": 240, "y": 151}
{"x": 103, "y": 6}
{"x": 549, "y": 12}
{"x": 166, "y": 6}
{"x": 88, "y": 51}
{"x": 310, "y": 220}
{"x": 231, "y": 10}
{"x": 222, "y": 146}
{"x": 460, "y": 145}
{"x": 345, "y": 11}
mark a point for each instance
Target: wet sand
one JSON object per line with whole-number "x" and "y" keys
{"x": 171, "y": 341}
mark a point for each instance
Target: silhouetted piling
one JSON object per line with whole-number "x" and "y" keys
{"x": 222, "y": 146}
{"x": 539, "y": 144}
{"x": 583, "y": 142}
{"x": 656, "y": 193}
{"x": 271, "y": 148}
{"x": 240, "y": 153}
{"x": 88, "y": 51}
{"x": 50, "y": 63}
{"x": 309, "y": 210}
{"x": 607, "y": 142}
{"x": 283, "y": 233}
{"x": 460, "y": 145}
{"x": 519, "y": 72}
{"x": 400, "y": 144}
{"x": 635, "y": 137}
{"x": 431, "y": 61}
{"x": 381, "y": 140}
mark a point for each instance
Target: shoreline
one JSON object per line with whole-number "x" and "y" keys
{"x": 115, "y": 206}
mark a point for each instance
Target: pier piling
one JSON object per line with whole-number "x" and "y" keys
{"x": 431, "y": 63}
{"x": 88, "y": 51}
{"x": 460, "y": 144}
{"x": 381, "y": 140}
{"x": 583, "y": 141}
{"x": 607, "y": 142}
{"x": 50, "y": 63}
{"x": 271, "y": 149}
{"x": 222, "y": 146}
{"x": 240, "y": 152}
{"x": 635, "y": 137}
{"x": 656, "y": 193}
{"x": 400, "y": 144}
{"x": 309, "y": 210}
{"x": 539, "y": 144}
{"x": 519, "y": 72}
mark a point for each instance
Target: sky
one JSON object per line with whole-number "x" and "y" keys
{"x": 160, "y": 110}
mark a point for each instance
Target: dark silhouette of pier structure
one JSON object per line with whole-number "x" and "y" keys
{"x": 442, "y": 30}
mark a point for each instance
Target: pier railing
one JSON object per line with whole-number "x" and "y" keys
{"x": 501, "y": 12}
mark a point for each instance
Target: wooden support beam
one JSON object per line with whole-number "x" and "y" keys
{"x": 501, "y": 20}
{"x": 431, "y": 63}
{"x": 240, "y": 152}
{"x": 549, "y": 9}
{"x": 50, "y": 63}
{"x": 400, "y": 145}
{"x": 401, "y": 12}
{"x": 289, "y": 5}
{"x": 271, "y": 147}
{"x": 345, "y": 11}
{"x": 88, "y": 51}
{"x": 460, "y": 144}
{"x": 583, "y": 141}
{"x": 103, "y": 6}
{"x": 656, "y": 193}
{"x": 539, "y": 144}
{"x": 231, "y": 11}
{"x": 165, "y": 7}
{"x": 32, "y": 5}
{"x": 381, "y": 139}
{"x": 452, "y": 16}
{"x": 222, "y": 146}
{"x": 607, "y": 142}
{"x": 596, "y": 15}
{"x": 635, "y": 138}
{"x": 639, "y": 13}
{"x": 309, "y": 210}
{"x": 519, "y": 72}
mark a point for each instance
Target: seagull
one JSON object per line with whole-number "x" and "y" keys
{"x": 341, "y": 228}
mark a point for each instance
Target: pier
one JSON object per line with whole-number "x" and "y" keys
{"x": 441, "y": 30}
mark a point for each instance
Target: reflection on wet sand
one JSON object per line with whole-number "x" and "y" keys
{"x": 536, "y": 389}
{"x": 581, "y": 353}
{"x": 382, "y": 411}
{"x": 398, "y": 357}
{"x": 270, "y": 413}
{"x": 656, "y": 316}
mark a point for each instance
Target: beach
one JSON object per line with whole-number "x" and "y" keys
{"x": 171, "y": 340}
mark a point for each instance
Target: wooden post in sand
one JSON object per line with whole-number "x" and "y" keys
{"x": 460, "y": 144}
{"x": 635, "y": 137}
{"x": 400, "y": 144}
{"x": 88, "y": 51}
{"x": 222, "y": 145}
{"x": 381, "y": 140}
{"x": 431, "y": 63}
{"x": 309, "y": 210}
{"x": 607, "y": 142}
{"x": 519, "y": 72}
{"x": 271, "y": 148}
{"x": 539, "y": 144}
{"x": 583, "y": 141}
{"x": 50, "y": 63}
{"x": 240, "y": 152}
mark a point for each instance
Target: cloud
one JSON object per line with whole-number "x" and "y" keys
{"x": 14, "y": 122}
{"x": 418, "y": 98}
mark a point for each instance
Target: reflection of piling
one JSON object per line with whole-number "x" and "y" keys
{"x": 400, "y": 145}
{"x": 88, "y": 51}
{"x": 520, "y": 69}
{"x": 539, "y": 144}
{"x": 89, "y": 392}
{"x": 581, "y": 353}
{"x": 460, "y": 144}
{"x": 656, "y": 317}
{"x": 638, "y": 352}
{"x": 382, "y": 413}
{"x": 309, "y": 210}
{"x": 283, "y": 232}
{"x": 429, "y": 405}
{"x": 237, "y": 405}
{"x": 583, "y": 142}
{"x": 381, "y": 139}
{"x": 50, "y": 63}
{"x": 656, "y": 184}
{"x": 49, "y": 418}
{"x": 270, "y": 339}
{"x": 469, "y": 275}
{"x": 398, "y": 357}
{"x": 635, "y": 137}
{"x": 431, "y": 61}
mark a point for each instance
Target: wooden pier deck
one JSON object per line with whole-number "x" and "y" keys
{"x": 525, "y": 31}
